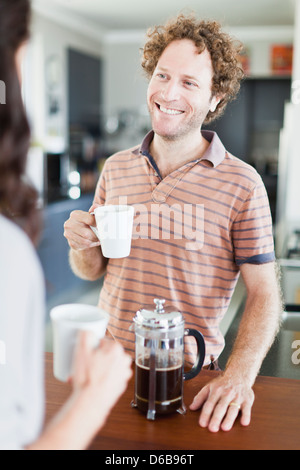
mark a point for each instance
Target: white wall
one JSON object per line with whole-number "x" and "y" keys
{"x": 258, "y": 40}
{"x": 51, "y": 39}
{"x": 124, "y": 83}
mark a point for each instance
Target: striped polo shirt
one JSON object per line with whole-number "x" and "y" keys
{"x": 192, "y": 230}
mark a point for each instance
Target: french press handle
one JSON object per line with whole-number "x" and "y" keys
{"x": 200, "y": 353}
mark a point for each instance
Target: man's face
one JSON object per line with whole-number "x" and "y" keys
{"x": 179, "y": 92}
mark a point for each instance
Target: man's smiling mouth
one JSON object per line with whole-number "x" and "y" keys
{"x": 169, "y": 111}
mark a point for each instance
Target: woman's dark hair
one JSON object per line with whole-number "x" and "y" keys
{"x": 18, "y": 200}
{"x": 224, "y": 52}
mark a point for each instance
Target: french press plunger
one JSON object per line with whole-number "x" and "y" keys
{"x": 159, "y": 359}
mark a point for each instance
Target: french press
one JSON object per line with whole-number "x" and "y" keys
{"x": 159, "y": 359}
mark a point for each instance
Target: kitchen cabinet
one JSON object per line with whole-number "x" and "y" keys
{"x": 248, "y": 123}
{"x": 251, "y": 124}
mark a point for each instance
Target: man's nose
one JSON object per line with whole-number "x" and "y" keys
{"x": 170, "y": 91}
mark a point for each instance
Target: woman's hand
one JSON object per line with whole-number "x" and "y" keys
{"x": 104, "y": 371}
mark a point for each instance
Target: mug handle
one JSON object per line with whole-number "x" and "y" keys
{"x": 200, "y": 355}
{"x": 94, "y": 229}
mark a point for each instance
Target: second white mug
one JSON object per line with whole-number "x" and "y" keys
{"x": 67, "y": 321}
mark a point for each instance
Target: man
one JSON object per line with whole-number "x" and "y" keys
{"x": 217, "y": 211}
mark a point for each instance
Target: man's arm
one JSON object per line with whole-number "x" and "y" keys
{"x": 85, "y": 255}
{"x": 258, "y": 328}
{"x": 88, "y": 264}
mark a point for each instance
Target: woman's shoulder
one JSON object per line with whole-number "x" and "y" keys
{"x": 16, "y": 248}
{"x": 11, "y": 235}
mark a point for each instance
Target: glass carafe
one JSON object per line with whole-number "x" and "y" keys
{"x": 159, "y": 359}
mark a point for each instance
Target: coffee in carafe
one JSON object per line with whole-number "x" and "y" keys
{"x": 159, "y": 360}
{"x": 169, "y": 383}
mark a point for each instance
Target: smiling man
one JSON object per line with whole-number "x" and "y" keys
{"x": 193, "y": 71}
{"x": 179, "y": 99}
{"x": 180, "y": 91}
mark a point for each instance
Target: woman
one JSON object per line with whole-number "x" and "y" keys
{"x": 100, "y": 376}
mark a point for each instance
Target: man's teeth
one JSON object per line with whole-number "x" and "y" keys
{"x": 170, "y": 111}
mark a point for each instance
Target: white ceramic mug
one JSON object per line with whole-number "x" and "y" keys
{"x": 67, "y": 321}
{"x": 114, "y": 229}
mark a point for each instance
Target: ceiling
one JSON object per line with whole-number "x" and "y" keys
{"x": 140, "y": 14}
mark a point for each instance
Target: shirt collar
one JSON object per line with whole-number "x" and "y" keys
{"x": 215, "y": 152}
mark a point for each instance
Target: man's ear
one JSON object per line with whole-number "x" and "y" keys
{"x": 214, "y": 103}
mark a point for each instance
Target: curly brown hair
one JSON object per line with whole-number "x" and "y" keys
{"x": 223, "y": 49}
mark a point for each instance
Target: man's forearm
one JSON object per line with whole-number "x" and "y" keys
{"x": 88, "y": 264}
{"x": 258, "y": 328}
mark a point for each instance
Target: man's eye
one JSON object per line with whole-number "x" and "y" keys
{"x": 190, "y": 84}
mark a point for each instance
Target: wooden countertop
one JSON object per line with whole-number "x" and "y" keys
{"x": 275, "y": 423}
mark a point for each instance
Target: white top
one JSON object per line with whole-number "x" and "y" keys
{"x": 22, "y": 317}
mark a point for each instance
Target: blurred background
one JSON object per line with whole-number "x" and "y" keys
{"x": 85, "y": 95}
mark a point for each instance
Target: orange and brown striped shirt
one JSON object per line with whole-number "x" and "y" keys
{"x": 192, "y": 231}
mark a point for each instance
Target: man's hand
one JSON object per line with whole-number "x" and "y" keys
{"x": 85, "y": 256}
{"x": 222, "y": 400}
{"x": 78, "y": 232}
